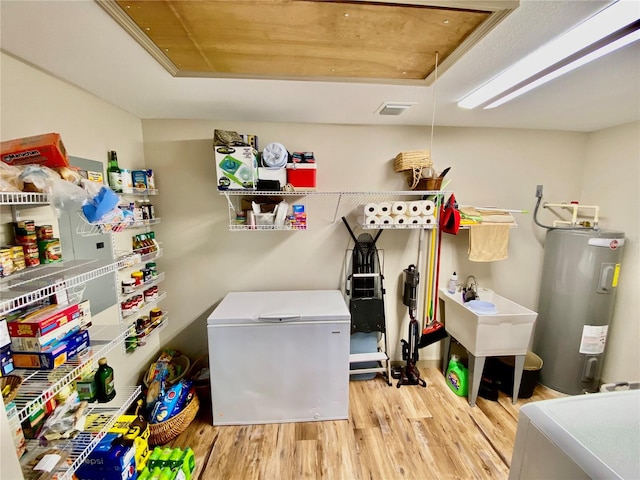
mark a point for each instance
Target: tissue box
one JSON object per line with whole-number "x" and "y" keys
{"x": 236, "y": 168}
{"x": 46, "y": 149}
{"x": 302, "y": 175}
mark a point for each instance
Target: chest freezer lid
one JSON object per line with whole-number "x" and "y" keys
{"x": 598, "y": 432}
{"x": 297, "y": 305}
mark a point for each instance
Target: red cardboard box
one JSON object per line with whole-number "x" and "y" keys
{"x": 302, "y": 175}
{"x": 43, "y": 321}
{"x": 46, "y": 149}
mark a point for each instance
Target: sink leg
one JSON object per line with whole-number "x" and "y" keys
{"x": 445, "y": 354}
{"x": 476, "y": 366}
{"x": 517, "y": 376}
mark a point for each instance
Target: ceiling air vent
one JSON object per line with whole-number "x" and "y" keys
{"x": 394, "y": 108}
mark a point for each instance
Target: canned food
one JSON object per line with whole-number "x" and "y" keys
{"x": 22, "y": 239}
{"x": 128, "y": 286}
{"x": 24, "y": 228}
{"x": 155, "y": 314}
{"x": 44, "y": 232}
{"x": 138, "y": 277}
{"x": 31, "y": 254}
{"x": 50, "y": 250}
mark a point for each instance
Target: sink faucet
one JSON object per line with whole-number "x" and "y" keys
{"x": 470, "y": 289}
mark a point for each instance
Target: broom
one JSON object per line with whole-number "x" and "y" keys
{"x": 434, "y": 331}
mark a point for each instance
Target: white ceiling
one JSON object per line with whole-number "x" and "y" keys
{"x": 78, "y": 42}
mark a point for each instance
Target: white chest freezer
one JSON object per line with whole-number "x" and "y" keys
{"x": 278, "y": 357}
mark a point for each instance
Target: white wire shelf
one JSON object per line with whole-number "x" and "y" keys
{"x": 144, "y": 309}
{"x": 158, "y": 324}
{"x": 80, "y": 447}
{"x": 23, "y": 198}
{"x": 33, "y": 284}
{"x": 135, "y": 257}
{"x": 87, "y": 229}
{"x": 123, "y": 297}
{"x": 239, "y": 228}
{"x": 40, "y": 385}
{"x": 404, "y": 226}
{"x": 139, "y": 191}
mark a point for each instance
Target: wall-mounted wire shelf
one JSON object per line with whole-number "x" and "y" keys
{"x": 79, "y": 448}
{"x": 144, "y": 309}
{"x": 137, "y": 339}
{"x": 40, "y": 385}
{"x": 123, "y": 297}
{"x": 136, "y": 257}
{"x": 23, "y": 198}
{"x": 87, "y": 229}
{"x": 33, "y": 284}
{"x": 139, "y": 191}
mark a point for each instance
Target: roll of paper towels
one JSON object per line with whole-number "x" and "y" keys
{"x": 428, "y": 207}
{"x": 414, "y": 208}
{"x": 429, "y": 219}
{"x": 416, "y": 220}
{"x": 385, "y": 219}
{"x": 369, "y": 220}
{"x": 399, "y": 208}
{"x": 384, "y": 208}
{"x": 368, "y": 209}
{"x": 400, "y": 219}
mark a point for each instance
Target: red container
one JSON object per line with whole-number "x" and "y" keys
{"x": 302, "y": 175}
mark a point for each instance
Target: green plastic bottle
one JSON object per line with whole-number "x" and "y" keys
{"x": 105, "y": 389}
{"x": 457, "y": 376}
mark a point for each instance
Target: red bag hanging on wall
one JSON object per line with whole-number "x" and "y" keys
{"x": 450, "y": 216}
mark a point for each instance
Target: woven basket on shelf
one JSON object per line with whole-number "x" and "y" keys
{"x": 164, "y": 432}
{"x": 13, "y": 382}
{"x": 412, "y": 160}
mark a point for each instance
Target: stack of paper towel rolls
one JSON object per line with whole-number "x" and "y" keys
{"x": 419, "y": 212}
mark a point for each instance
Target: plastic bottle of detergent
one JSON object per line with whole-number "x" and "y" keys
{"x": 453, "y": 283}
{"x": 457, "y": 376}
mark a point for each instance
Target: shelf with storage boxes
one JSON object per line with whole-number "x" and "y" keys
{"x": 266, "y": 210}
{"x": 59, "y": 346}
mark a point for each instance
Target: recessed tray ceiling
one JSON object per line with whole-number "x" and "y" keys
{"x": 390, "y": 42}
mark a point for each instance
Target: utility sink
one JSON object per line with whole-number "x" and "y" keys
{"x": 487, "y": 332}
{"x": 505, "y": 332}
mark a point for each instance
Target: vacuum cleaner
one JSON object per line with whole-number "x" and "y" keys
{"x": 409, "y": 373}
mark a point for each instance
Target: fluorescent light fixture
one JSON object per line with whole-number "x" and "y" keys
{"x": 612, "y": 28}
{"x": 394, "y": 108}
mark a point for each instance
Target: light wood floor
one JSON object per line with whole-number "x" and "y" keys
{"x": 392, "y": 433}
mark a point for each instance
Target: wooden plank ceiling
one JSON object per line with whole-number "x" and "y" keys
{"x": 298, "y": 39}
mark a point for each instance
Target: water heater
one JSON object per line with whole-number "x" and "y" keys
{"x": 577, "y": 292}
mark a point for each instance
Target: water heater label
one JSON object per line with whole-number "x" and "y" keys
{"x": 593, "y": 339}
{"x": 612, "y": 243}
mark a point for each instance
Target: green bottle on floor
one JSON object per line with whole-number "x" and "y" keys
{"x": 457, "y": 376}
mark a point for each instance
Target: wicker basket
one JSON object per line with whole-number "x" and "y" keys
{"x": 13, "y": 382}
{"x": 164, "y": 432}
{"x": 416, "y": 159}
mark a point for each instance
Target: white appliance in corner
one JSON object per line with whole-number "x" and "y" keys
{"x": 278, "y": 357}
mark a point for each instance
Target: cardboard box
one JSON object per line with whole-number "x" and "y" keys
{"x": 46, "y": 149}
{"x": 85, "y": 313}
{"x": 302, "y": 175}
{"x": 46, "y": 341}
{"x": 108, "y": 460}
{"x": 52, "y": 358}
{"x": 43, "y": 321}
{"x": 6, "y": 361}
{"x": 236, "y": 168}
{"x": 5, "y": 339}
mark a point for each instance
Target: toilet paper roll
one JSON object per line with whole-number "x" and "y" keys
{"x": 428, "y": 219}
{"x": 400, "y": 219}
{"x": 414, "y": 209}
{"x": 428, "y": 207}
{"x": 399, "y": 208}
{"x": 415, "y": 220}
{"x": 368, "y": 209}
{"x": 384, "y": 208}
{"x": 369, "y": 220}
{"x": 385, "y": 219}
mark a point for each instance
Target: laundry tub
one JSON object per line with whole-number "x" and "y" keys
{"x": 505, "y": 330}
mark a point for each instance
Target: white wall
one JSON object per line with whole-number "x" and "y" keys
{"x": 611, "y": 176}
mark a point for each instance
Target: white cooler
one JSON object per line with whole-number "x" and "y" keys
{"x": 279, "y": 357}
